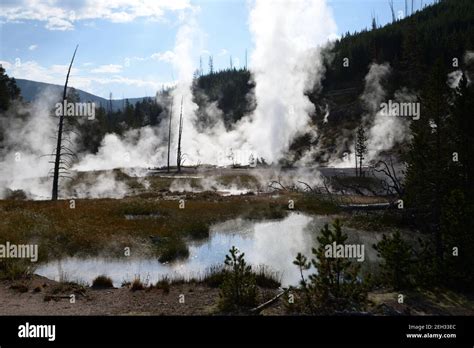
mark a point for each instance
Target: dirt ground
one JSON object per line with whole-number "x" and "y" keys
{"x": 198, "y": 300}
{"x": 42, "y": 296}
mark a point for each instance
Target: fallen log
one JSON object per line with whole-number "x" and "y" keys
{"x": 267, "y": 304}
{"x": 372, "y": 206}
{"x": 48, "y": 298}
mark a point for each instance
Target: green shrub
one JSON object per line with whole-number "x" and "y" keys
{"x": 214, "y": 276}
{"x": 198, "y": 230}
{"x": 16, "y": 195}
{"x": 164, "y": 284}
{"x": 172, "y": 249}
{"x": 137, "y": 285}
{"x": 102, "y": 282}
{"x": 265, "y": 278}
{"x": 13, "y": 269}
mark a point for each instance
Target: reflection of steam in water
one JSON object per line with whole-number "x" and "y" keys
{"x": 271, "y": 243}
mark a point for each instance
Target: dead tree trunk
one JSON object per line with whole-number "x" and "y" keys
{"x": 180, "y": 132}
{"x": 169, "y": 134}
{"x": 390, "y": 3}
{"x": 357, "y": 170}
{"x": 57, "y": 160}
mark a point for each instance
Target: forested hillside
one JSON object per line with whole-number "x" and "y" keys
{"x": 230, "y": 89}
{"x": 411, "y": 46}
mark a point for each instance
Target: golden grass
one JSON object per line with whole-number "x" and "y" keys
{"x": 99, "y": 225}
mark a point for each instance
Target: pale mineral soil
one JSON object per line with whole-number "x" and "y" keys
{"x": 198, "y": 300}
{"x": 41, "y": 296}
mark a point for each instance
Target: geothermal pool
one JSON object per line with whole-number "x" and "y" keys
{"x": 272, "y": 243}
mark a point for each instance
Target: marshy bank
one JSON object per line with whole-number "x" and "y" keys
{"x": 271, "y": 243}
{"x": 106, "y": 227}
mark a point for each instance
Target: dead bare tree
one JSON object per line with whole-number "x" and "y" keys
{"x": 61, "y": 150}
{"x": 308, "y": 186}
{"x": 393, "y": 184}
{"x": 169, "y": 133}
{"x": 268, "y": 303}
{"x": 344, "y": 187}
{"x": 277, "y": 185}
{"x": 355, "y": 158}
{"x": 390, "y": 3}
{"x": 324, "y": 191}
{"x": 180, "y": 132}
{"x": 328, "y": 190}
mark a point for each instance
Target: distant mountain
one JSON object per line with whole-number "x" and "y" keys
{"x": 30, "y": 90}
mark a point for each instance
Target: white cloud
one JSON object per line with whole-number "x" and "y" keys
{"x": 31, "y": 70}
{"x": 33, "y": 47}
{"x": 127, "y": 81}
{"x": 167, "y": 56}
{"x": 60, "y": 69}
{"x": 62, "y": 14}
{"x": 56, "y": 23}
{"x": 55, "y": 74}
{"x": 107, "y": 69}
{"x": 5, "y": 64}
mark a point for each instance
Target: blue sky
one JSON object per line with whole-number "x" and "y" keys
{"x": 125, "y": 46}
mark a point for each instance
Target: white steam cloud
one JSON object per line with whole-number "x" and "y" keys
{"x": 28, "y": 137}
{"x": 29, "y": 132}
{"x": 285, "y": 63}
{"x": 385, "y": 131}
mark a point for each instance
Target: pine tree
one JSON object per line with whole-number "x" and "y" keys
{"x": 129, "y": 114}
{"x": 361, "y": 147}
{"x": 336, "y": 285}
{"x": 463, "y": 132}
{"x": 211, "y": 65}
{"x": 397, "y": 257}
{"x": 411, "y": 64}
{"x": 8, "y": 90}
{"x": 457, "y": 207}
{"x": 428, "y": 179}
{"x": 238, "y": 290}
